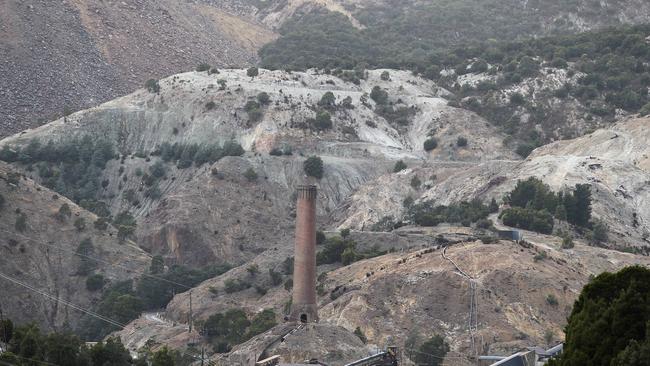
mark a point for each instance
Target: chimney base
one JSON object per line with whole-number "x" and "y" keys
{"x": 304, "y": 313}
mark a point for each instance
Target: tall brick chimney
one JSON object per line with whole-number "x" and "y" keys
{"x": 303, "y": 306}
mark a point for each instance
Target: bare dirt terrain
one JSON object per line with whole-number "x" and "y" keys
{"x": 79, "y": 53}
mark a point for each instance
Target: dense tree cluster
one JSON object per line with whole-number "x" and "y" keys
{"x": 73, "y": 167}
{"x": 534, "y": 206}
{"x": 424, "y": 40}
{"x": 29, "y": 346}
{"x": 465, "y": 213}
{"x": 342, "y": 249}
{"x": 410, "y": 35}
{"x": 187, "y": 154}
{"x": 125, "y": 301}
{"x": 225, "y": 330}
{"x": 610, "y": 322}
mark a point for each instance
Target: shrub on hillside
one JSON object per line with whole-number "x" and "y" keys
{"x": 313, "y": 167}
{"x": 399, "y": 166}
{"x": 21, "y": 223}
{"x": 152, "y": 86}
{"x": 379, "y": 95}
{"x": 203, "y": 67}
{"x": 322, "y": 122}
{"x": 253, "y": 110}
{"x": 95, "y": 282}
{"x": 263, "y": 98}
{"x": 80, "y": 224}
{"x": 327, "y": 101}
{"x": 253, "y": 72}
{"x": 645, "y": 110}
{"x": 250, "y": 175}
{"x": 528, "y": 219}
{"x": 430, "y": 144}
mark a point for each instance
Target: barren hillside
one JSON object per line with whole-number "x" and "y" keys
{"x": 75, "y": 54}
{"x": 42, "y": 248}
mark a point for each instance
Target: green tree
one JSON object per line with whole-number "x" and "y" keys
{"x": 234, "y": 325}
{"x": 313, "y": 167}
{"x": 399, "y": 166}
{"x": 327, "y": 101}
{"x": 430, "y": 144}
{"x": 461, "y": 141}
{"x": 379, "y": 95}
{"x": 203, "y": 67}
{"x": 250, "y": 175}
{"x": 432, "y": 352}
{"x": 345, "y": 233}
{"x": 64, "y": 212}
{"x": 582, "y": 214}
{"x": 253, "y": 72}
{"x": 152, "y": 86}
{"x": 349, "y": 256}
{"x": 253, "y": 110}
{"x": 567, "y": 242}
{"x": 517, "y": 99}
{"x": 80, "y": 224}
{"x": 276, "y": 277}
{"x": 6, "y": 330}
{"x": 415, "y": 182}
{"x": 95, "y": 282}
{"x": 125, "y": 224}
{"x": 157, "y": 265}
{"x": 262, "y": 322}
{"x": 323, "y": 121}
{"x": 21, "y": 223}
{"x": 163, "y": 357}
{"x": 528, "y": 219}
{"x": 598, "y": 232}
{"x": 253, "y": 269}
{"x": 635, "y": 354}
{"x": 110, "y": 353}
{"x": 157, "y": 170}
{"x": 385, "y": 76}
{"x": 263, "y": 98}
{"x": 609, "y": 320}
{"x": 645, "y": 110}
{"x": 359, "y": 333}
{"x": 494, "y": 206}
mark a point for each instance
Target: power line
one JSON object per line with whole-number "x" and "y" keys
{"x": 33, "y": 360}
{"x": 64, "y": 302}
{"x": 96, "y": 259}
